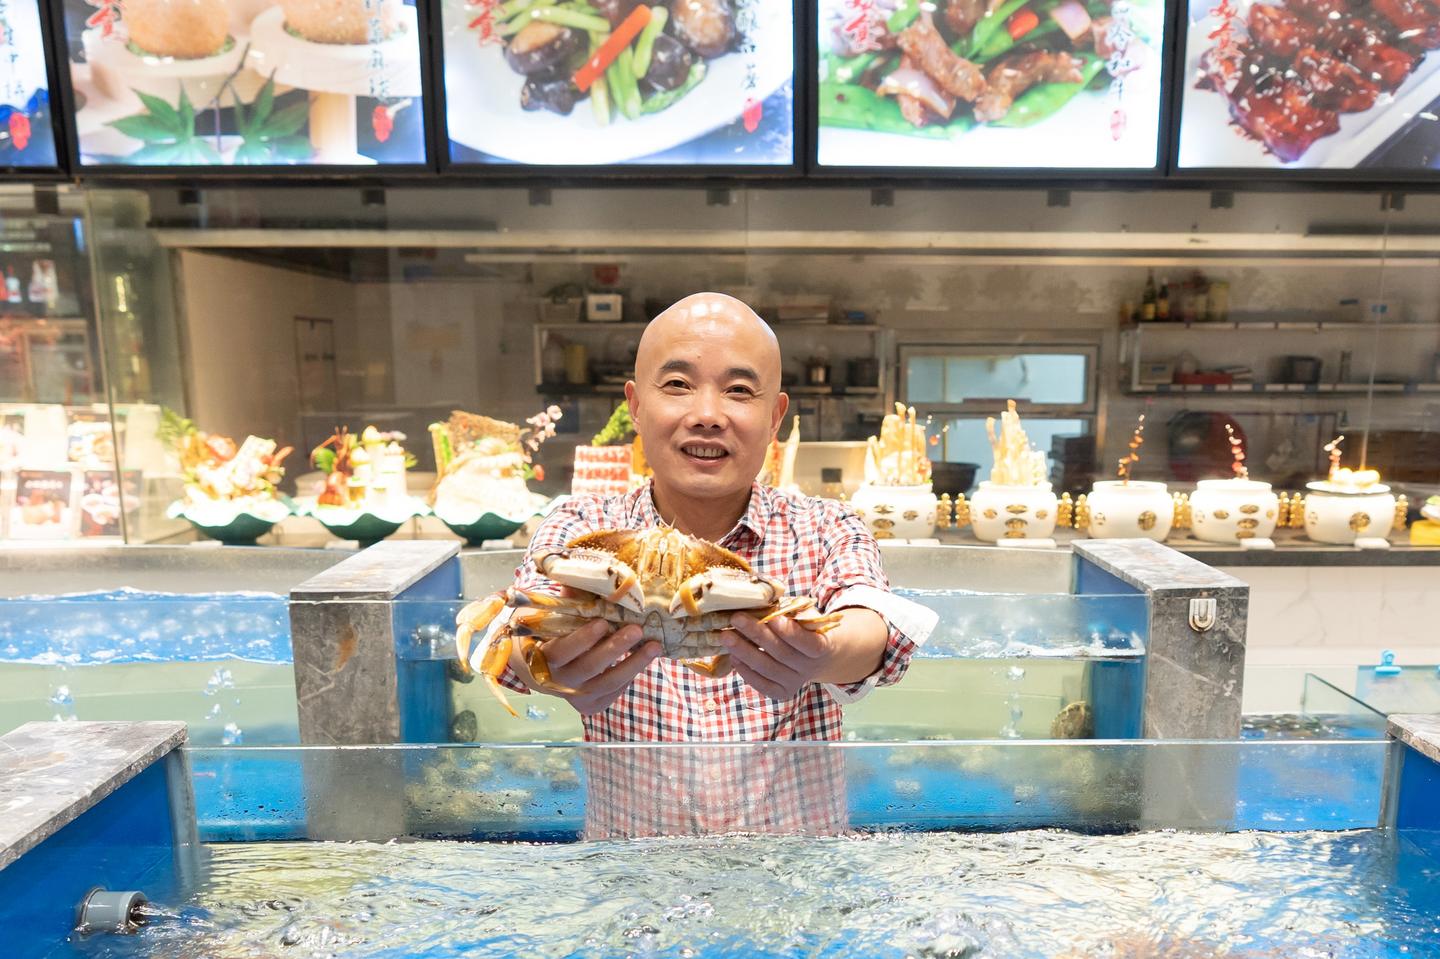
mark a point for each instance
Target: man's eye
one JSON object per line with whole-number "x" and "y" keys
{"x": 742, "y": 390}
{"x": 676, "y": 384}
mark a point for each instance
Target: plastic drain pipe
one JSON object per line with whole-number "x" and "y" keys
{"x": 104, "y": 911}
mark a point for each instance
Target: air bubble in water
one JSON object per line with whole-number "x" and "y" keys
{"x": 220, "y": 679}
{"x": 214, "y": 711}
{"x": 232, "y": 736}
{"x": 64, "y": 703}
{"x": 1015, "y": 674}
{"x": 536, "y": 713}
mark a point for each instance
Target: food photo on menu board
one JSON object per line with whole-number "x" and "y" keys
{"x": 27, "y": 137}
{"x": 1311, "y": 84}
{"x": 994, "y": 84}
{"x": 600, "y": 82}
{"x": 246, "y": 82}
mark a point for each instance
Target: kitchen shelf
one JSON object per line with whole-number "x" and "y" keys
{"x": 777, "y": 327}
{"x": 588, "y": 389}
{"x": 1270, "y": 326}
{"x": 1292, "y": 389}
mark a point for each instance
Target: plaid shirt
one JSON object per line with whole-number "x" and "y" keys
{"x": 813, "y": 547}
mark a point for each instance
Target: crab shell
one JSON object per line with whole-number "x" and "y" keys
{"x": 680, "y": 590}
{"x": 668, "y": 583}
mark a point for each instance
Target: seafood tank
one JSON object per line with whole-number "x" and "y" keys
{"x": 153, "y": 632}
{"x": 1053, "y": 850}
{"x": 1036, "y": 659}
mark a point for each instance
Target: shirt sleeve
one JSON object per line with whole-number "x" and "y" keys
{"x": 575, "y": 517}
{"x": 853, "y": 576}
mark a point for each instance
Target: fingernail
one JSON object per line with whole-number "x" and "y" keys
{"x": 727, "y": 640}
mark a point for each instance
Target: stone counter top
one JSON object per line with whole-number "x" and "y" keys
{"x": 50, "y": 773}
{"x": 1418, "y": 731}
{"x": 1291, "y": 549}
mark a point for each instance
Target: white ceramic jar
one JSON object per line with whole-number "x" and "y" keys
{"x": 1131, "y": 510}
{"x": 1229, "y": 510}
{"x": 999, "y": 513}
{"x": 896, "y": 512}
{"x": 1340, "y": 516}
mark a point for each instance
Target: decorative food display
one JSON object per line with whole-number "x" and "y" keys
{"x": 1348, "y": 504}
{"x": 1431, "y": 509}
{"x": 231, "y": 491}
{"x": 970, "y": 83}
{"x": 1234, "y": 509}
{"x": 261, "y": 82}
{"x": 482, "y": 465}
{"x": 1125, "y": 507}
{"x": 363, "y": 495}
{"x": 679, "y": 589}
{"x": 587, "y": 82}
{"x": 1303, "y": 83}
{"x": 896, "y": 499}
{"x": 1016, "y": 502}
{"x": 779, "y": 468}
{"x": 604, "y": 467}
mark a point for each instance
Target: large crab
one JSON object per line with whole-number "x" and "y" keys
{"x": 680, "y": 590}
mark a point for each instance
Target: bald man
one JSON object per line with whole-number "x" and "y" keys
{"x": 706, "y": 399}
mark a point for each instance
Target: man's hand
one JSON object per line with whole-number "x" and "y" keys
{"x": 781, "y": 657}
{"x": 595, "y": 662}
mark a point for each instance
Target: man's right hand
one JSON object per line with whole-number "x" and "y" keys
{"x": 595, "y": 662}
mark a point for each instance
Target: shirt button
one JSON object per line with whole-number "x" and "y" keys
{"x": 711, "y": 705}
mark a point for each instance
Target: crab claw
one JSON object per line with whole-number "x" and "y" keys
{"x": 476, "y": 616}
{"x": 594, "y": 571}
{"x": 720, "y": 589}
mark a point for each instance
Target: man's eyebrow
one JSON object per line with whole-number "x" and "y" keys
{"x": 733, "y": 373}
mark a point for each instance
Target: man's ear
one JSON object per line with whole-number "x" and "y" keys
{"x": 633, "y": 402}
{"x": 782, "y": 406}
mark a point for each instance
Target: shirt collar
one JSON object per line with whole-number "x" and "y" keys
{"x": 755, "y": 519}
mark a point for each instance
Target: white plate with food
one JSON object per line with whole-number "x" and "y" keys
{"x": 484, "y": 90}
{"x": 1210, "y": 137}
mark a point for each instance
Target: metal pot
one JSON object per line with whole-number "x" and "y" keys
{"x": 817, "y": 373}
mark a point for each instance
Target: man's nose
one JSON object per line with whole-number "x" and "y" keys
{"x": 707, "y": 411}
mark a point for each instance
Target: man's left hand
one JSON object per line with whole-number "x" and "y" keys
{"x": 781, "y": 657}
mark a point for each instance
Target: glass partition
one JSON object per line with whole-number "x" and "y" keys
{"x": 615, "y": 790}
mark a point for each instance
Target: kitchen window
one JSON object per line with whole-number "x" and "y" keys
{"x": 958, "y": 386}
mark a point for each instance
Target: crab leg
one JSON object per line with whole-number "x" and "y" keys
{"x": 492, "y": 666}
{"x": 475, "y": 617}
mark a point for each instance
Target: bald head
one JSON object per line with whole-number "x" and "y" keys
{"x": 706, "y": 400}
{"x": 712, "y": 318}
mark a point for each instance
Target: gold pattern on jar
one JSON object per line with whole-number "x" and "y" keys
{"x": 1016, "y": 523}
{"x": 1041, "y": 513}
{"x": 884, "y": 509}
{"x": 1249, "y": 508}
{"x": 1147, "y": 520}
{"x": 910, "y": 514}
{"x": 1248, "y": 522}
{"x": 1221, "y": 514}
{"x": 1017, "y": 509}
{"x": 884, "y": 524}
{"x": 1359, "y": 521}
{"x": 991, "y": 514}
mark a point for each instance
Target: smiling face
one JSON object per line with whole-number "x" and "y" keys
{"x": 706, "y": 399}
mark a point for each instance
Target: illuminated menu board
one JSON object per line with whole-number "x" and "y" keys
{"x": 27, "y": 137}
{"x": 973, "y": 84}
{"x": 685, "y": 83}
{"x": 220, "y": 83}
{"x": 1311, "y": 84}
